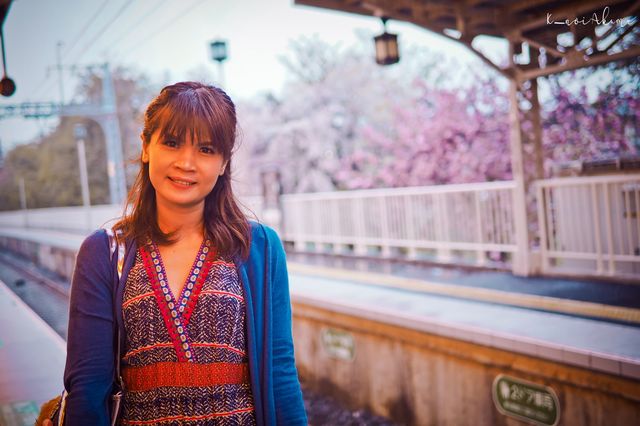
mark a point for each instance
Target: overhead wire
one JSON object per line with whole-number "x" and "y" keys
{"x": 39, "y": 87}
{"x": 166, "y": 24}
{"x": 145, "y": 15}
{"x": 85, "y": 28}
{"x": 42, "y": 84}
{"x": 99, "y": 34}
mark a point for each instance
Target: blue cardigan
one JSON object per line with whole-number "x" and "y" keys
{"x": 89, "y": 370}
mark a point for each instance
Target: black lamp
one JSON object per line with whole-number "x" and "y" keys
{"x": 219, "y": 50}
{"x": 386, "y": 46}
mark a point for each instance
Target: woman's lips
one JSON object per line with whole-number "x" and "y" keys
{"x": 181, "y": 183}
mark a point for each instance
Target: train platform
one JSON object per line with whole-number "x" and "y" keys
{"x": 589, "y": 298}
{"x": 32, "y": 358}
{"x": 591, "y": 334}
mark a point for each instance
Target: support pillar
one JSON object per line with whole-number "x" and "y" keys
{"x": 521, "y": 264}
{"x": 527, "y": 165}
{"x": 111, "y": 128}
{"x": 115, "y": 163}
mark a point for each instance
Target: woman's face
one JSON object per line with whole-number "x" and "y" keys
{"x": 182, "y": 172}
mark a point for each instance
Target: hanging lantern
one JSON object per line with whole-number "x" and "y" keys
{"x": 219, "y": 50}
{"x": 386, "y": 47}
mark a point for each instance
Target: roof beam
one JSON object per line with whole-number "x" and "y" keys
{"x": 553, "y": 51}
{"x": 620, "y": 37}
{"x": 575, "y": 64}
{"x": 630, "y": 11}
{"x": 567, "y": 11}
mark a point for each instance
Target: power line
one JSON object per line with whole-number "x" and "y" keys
{"x": 163, "y": 27}
{"x": 120, "y": 11}
{"x": 42, "y": 84}
{"x": 86, "y": 27}
{"x": 145, "y": 15}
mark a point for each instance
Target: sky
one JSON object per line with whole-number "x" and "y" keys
{"x": 169, "y": 41}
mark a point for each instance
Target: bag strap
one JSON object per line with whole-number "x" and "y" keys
{"x": 117, "y": 243}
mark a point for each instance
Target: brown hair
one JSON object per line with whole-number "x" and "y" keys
{"x": 203, "y": 111}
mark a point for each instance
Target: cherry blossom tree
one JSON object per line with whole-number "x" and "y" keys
{"x": 585, "y": 119}
{"x": 343, "y": 122}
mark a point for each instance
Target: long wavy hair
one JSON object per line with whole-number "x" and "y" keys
{"x": 207, "y": 113}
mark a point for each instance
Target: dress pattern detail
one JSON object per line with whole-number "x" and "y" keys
{"x": 176, "y": 313}
{"x": 185, "y": 359}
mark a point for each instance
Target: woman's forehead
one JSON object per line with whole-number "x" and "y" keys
{"x": 188, "y": 136}
{"x": 196, "y": 126}
{"x": 195, "y": 131}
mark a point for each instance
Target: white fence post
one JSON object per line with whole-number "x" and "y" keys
{"x": 589, "y": 225}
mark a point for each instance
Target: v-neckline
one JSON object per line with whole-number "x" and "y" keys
{"x": 177, "y": 312}
{"x": 187, "y": 286}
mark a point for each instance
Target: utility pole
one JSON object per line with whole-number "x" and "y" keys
{"x": 80, "y": 133}
{"x": 23, "y": 202}
{"x": 111, "y": 128}
{"x": 23, "y": 195}
{"x": 59, "y": 67}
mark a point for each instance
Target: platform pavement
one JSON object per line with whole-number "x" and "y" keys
{"x": 612, "y": 301}
{"x": 32, "y": 358}
{"x": 466, "y": 312}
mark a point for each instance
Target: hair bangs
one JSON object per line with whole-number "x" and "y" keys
{"x": 200, "y": 119}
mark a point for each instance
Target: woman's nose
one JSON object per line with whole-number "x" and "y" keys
{"x": 186, "y": 157}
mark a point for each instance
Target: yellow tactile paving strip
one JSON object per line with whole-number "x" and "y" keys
{"x": 546, "y": 303}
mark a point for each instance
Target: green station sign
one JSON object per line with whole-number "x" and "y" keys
{"x": 338, "y": 343}
{"x": 527, "y": 401}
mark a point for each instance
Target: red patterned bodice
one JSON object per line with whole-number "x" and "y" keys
{"x": 185, "y": 360}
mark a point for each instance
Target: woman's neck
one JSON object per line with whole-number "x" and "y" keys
{"x": 188, "y": 223}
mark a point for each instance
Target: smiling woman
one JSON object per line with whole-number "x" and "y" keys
{"x": 203, "y": 303}
{"x": 182, "y": 173}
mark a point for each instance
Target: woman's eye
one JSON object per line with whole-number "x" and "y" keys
{"x": 207, "y": 150}
{"x": 170, "y": 143}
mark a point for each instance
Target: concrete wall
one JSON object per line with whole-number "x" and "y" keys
{"x": 57, "y": 259}
{"x": 417, "y": 378}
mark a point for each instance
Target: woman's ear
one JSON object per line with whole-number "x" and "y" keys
{"x": 145, "y": 152}
{"x": 224, "y": 166}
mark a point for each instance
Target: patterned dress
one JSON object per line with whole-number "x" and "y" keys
{"x": 185, "y": 360}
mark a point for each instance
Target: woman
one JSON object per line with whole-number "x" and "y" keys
{"x": 202, "y": 306}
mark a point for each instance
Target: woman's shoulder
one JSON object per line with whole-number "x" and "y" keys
{"x": 96, "y": 242}
{"x": 261, "y": 232}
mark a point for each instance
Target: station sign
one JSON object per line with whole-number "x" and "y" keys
{"x": 338, "y": 344}
{"x": 526, "y": 401}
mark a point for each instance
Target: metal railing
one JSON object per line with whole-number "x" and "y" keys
{"x": 447, "y": 223}
{"x": 79, "y": 219}
{"x": 590, "y": 225}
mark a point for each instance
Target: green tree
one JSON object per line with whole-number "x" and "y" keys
{"x": 49, "y": 165}
{"x": 50, "y": 169}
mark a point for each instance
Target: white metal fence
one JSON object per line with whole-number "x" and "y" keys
{"x": 84, "y": 220}
{"x": 445, "y": 222}
{"x": 590, "y": 225}
{"x": 73, "y": 219}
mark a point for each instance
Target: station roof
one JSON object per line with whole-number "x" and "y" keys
{"x": 563, "y": 33}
